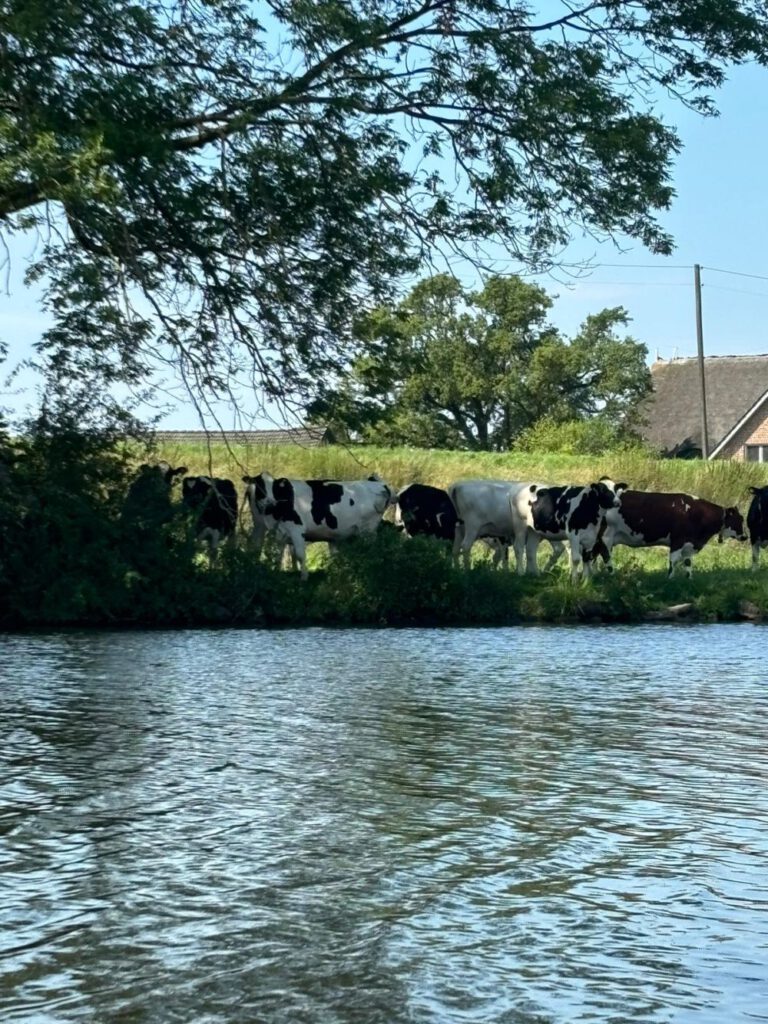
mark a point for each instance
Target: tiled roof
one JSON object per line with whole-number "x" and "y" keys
{"x": 306, "y": 437}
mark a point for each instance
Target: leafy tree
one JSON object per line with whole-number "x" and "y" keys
{"x": 221, "y": 184}
{"x": 452, "y": 368}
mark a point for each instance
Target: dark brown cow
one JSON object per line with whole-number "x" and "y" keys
{"x": 679, "y": 522}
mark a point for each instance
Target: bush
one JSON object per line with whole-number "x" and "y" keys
{"x": 578, "y": 437}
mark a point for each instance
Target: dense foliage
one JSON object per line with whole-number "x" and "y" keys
{"x": 219, "y": 184}
{"x": 451, "y": 368}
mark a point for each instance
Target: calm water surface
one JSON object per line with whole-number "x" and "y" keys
{"x": 514, "y": 825}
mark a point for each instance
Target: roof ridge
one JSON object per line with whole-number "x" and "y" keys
{"x": 695, "y": 359}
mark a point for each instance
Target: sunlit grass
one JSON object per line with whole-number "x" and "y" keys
{"x": 722, "y": 481}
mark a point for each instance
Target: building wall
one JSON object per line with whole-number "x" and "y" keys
{"x": 754, "y": 431}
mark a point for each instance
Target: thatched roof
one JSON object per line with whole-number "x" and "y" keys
{"x": 306, "y": 437}
{"x": 673, "y": 414}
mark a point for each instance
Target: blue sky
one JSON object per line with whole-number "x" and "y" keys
{"x": 719, "y": 220}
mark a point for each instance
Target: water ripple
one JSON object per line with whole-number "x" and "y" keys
{"x": 522, "y": 826}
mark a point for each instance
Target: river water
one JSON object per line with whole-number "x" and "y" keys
{"x": 523, "y": 825}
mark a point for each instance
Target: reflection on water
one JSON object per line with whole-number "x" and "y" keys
{"x": 518, "y": 826}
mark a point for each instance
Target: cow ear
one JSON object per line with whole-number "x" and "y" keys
{"x": 622, "y": 487}
{"x": 754, "y": 490}
{"x": 533, "y": 488}
{"x": 179, "y": 471}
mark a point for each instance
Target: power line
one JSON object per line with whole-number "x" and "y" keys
{"x": 736, "y": 273}
{"x": 737, "y": 291}
{"x": 639, "y": 284}
{"x": 646, "y": 266}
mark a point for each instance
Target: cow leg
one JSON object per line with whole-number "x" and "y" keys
{"x": 501, "y": 554}
{"x": 604, "y": 548}
{"x": 287, "y": 550}
{"x": 458, "y": 540}
{"x": 588, "y": 561}
{"x": 680, "y": 555}
{"x": 505, "y": 555}
{"x": 299, "y": 549}
{"x": 519, "y": 549}
{"x": 688, "y": 552}
{"x": 557, "y": 550}
{"x": 577, "y": 561}
{"x": 606, "y": 554}
{"x": 258, "y": 534}
{"x": 532, "y": 541}
{"x": 214, "y": 537}
{"x": 470, "y": 536}
{"x": 755, "y": 557}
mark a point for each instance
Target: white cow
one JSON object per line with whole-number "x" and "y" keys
{"x": 492, "y": 509}
{"x": 304, "y": 511}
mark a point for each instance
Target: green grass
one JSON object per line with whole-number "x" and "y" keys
{"x": 722, "y": 481}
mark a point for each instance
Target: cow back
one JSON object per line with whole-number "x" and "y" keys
{"x": 656, "y": 515}
{"x": 427, "y": 511}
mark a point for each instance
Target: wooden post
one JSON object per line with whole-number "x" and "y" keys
{"x": 700, "y": 348}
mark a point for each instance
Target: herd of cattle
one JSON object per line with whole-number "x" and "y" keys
{"x": 586, "y": 521}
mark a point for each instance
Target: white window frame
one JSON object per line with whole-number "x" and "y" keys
{"x": 762, "y": 452}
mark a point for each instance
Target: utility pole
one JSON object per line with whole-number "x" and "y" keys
{"x": 700, "y": 347}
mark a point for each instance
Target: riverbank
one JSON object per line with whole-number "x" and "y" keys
{"x": 70, "y": 556}
{"x": 389, "y": 581}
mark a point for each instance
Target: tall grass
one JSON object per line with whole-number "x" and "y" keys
{"x": 722, "y": 481}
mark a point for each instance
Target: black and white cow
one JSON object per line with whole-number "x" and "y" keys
{"x": 423, "y": 510}
{"x": 680, "y": 522}
{"x": 757, "y": 523}
{"x": 490, "y": 510}
{"x": 572, "y": 514}
{"x": 426, "y": 511}
{"x": 214, "y": 504}
{"x": 305, "y": 511}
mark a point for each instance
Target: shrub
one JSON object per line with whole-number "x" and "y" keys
{"x": 578, "y": 437}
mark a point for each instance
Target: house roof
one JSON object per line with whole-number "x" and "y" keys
{"x": 735, "y": 384}
{"x": 306, "y": 437}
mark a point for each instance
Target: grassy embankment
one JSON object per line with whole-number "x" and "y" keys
{"x": 388, "y": 581}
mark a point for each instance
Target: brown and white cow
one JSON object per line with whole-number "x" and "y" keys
{"x": 680, "y": 522}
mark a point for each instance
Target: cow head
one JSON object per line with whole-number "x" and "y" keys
{"x": 195, "y": 489}
{"x": 164, "y": 470}
{"x": 262, "y": 489}
{"x": 616, "y": 488}
{"x": 607, "y": 495}
{"x": 733, "y": 525}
